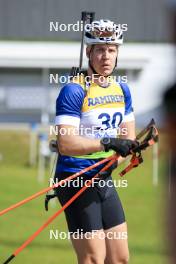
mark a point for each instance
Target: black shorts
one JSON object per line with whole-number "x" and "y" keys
{"x": 98, "y": 207}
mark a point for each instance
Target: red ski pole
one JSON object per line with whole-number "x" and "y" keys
{"x": 31, "y": 238}
{"x": 56, "y": 185}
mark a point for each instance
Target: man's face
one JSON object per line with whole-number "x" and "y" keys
{"x": 103, "y": 57}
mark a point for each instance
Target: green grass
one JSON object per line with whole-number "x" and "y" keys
{"x": 143, "y": 203}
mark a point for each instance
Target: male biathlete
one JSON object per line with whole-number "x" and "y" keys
{"x": 97, "y": 107}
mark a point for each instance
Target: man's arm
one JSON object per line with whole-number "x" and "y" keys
{"x": 68, "y": 112}
{"x": 71, "y": 144}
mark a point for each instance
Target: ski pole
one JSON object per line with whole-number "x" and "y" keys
{"x": 32, "y": 237}
{"x": 56, "y": 185}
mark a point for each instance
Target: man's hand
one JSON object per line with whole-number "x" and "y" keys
{"x": 121, "y": 146}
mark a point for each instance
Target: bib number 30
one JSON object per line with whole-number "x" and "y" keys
{"x": 111, "y": 122}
